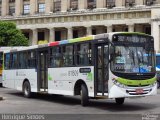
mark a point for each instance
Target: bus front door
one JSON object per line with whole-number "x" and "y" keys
{"x": 101, "y": 68}
{"x": 42, "y": 71}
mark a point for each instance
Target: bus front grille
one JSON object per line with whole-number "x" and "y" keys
{"x": 138, "y": 91}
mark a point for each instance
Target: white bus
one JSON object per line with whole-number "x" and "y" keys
{"x": 111, "y": 65}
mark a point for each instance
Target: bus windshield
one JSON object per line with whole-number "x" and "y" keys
{"x": 133, "y": 58}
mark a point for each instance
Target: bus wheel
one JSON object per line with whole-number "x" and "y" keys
{"x": 84, "y": 95}
{"x": 27, "y": 89}
{"x": 119, "y": 101}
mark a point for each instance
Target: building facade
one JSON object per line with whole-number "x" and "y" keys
{"x": 54, "y": 20}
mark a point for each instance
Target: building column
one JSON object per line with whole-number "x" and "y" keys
{"x": 131, "y": 28}
{"x": 109, "y": 28}
{"x": 158, "y": 1}
{"x": 101, "y": 3}
{"x": 33, "y": 7}
{"x": 18, "y": 7}
{"x": 89, "y": 30}
{"x": 64, "y": 4}
{"x": 5, "y": 7}
{"x": 70, "y": 32}
{"x": 82, "y": 4}
{"x": 48, "y": 4}
{"x": 51, "y": 34}
{"x": 155, "y": 32}
{"x": 34, "y": 36}
{"x": 46, "y": 35}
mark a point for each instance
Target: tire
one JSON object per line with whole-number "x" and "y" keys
{"x": 84, "y": 95}
{"x": 119, "y": 101}
{"x": 1, "y": 85}
{"x": 26, "y": 89}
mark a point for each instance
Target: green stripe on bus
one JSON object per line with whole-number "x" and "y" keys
{"x": 136, "y": 82}
{"x": 134, "y": 33}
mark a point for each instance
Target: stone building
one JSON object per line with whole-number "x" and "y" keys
{"x": 54, "y": 20}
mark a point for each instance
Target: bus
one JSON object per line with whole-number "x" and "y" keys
{"x": 158, "y": 69}
{"x": 114, "y": 65}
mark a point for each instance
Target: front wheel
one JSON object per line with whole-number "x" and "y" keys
{"x": 84, "y": 95}
{"x": 27, "y": 89}
{"x": 119, "y": 101}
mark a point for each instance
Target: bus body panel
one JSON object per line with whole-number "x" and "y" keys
{"x": 120, "y": 92}
{"x": 117, "y": 92}
{"x": 63, "y": 80}
{"x": 15, "y": 78}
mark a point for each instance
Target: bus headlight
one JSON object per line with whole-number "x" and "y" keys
{"x": 118, "y": 84}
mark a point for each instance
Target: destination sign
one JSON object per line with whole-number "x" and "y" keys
{"x": 132, "y": 38}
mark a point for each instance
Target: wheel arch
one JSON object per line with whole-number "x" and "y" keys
{"x": 25, "y": 80}
{"x": 77, "y": 86}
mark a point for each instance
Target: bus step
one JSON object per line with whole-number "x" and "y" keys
{"x": 101, "y": 97}
{"x": 43, "y": 92}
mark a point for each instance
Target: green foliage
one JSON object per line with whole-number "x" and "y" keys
{"x": 11, "y": 36}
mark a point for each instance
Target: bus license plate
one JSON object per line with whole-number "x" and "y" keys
{"x": 139, "y": 91}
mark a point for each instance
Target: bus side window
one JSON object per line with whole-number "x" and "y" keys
{"x": 13, "y": 61}
{"x": 7, "y": 61}
{"x": 31, "y": 57}
{"x": 68, "y": 55}
{"x": 84, "y": 54}
{"x": 55, "y": 57}
{"x": 22, "y": 60}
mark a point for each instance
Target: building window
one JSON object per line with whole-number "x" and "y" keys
{"x": 110, "y": 3}
{"x": 41, "y": 7}
{"x": 74, "y": 4}
{"x": 150, "y": 2}
{"x": 11, "y": 10}
{"x": 26, "y": 9}
{"x": 57, "y": 5}
{"x": 91, "y": 4}
{"x": 11, "y": 1}
{"x": 130, "y": 3}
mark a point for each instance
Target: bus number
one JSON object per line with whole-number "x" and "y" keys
{"x": 73, "y": 73}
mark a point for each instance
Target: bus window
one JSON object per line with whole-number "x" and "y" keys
{"x": 7, "y": 61}
{"x": 22, "y": 60}
{"x": 55, "y": 57}
{"x": 31, "y": 56}
{"x": 68, "y": 55}
{"x": 14, "y": 60}
{"x": 1, "y": 62}
{"x": 83, "y": 54}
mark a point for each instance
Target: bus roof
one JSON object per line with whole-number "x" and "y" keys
{"x": 74, "y": 40}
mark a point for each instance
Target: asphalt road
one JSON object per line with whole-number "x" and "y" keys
{"x": 64, "y": 107}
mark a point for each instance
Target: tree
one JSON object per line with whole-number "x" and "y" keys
{"x": 10, "y": 35}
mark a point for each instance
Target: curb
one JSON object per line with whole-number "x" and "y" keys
{"x": 1, "y": 98}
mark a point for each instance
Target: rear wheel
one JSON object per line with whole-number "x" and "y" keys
{"x": 119, "y": 101}
{"x": 27, "y": 89}
{"x": 84, "y": 95}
